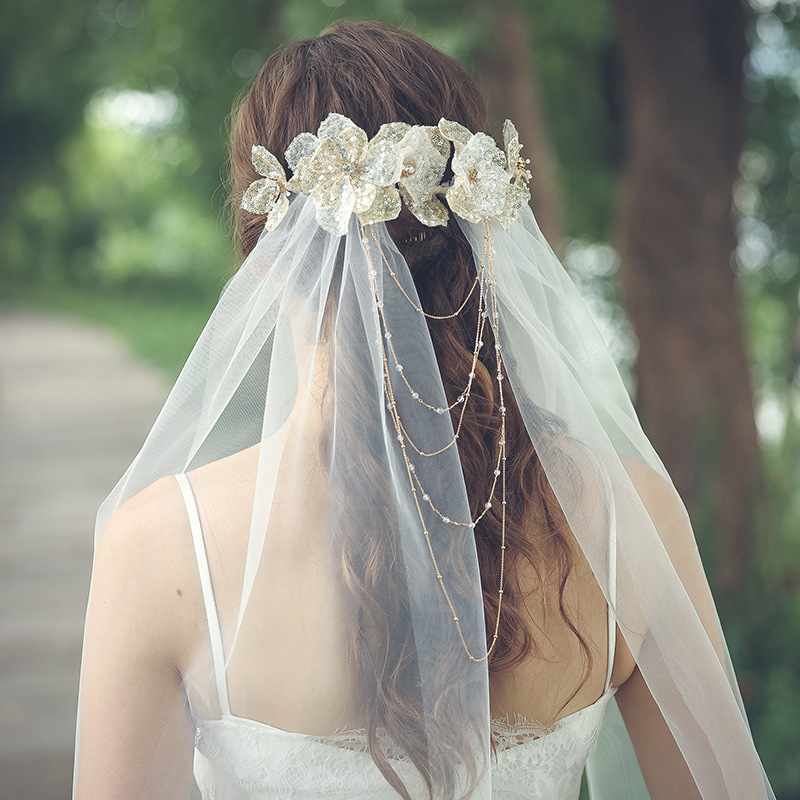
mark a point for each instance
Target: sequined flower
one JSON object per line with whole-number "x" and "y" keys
{"x": 480, "y": 182}
{"x": 424, "y": 152}
{"x": 518, "y": 193}
{"x": 268, "y": 195}
{"x": 346, "y": 173}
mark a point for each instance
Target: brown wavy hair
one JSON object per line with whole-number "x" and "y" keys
{"x": 374, "y": 74}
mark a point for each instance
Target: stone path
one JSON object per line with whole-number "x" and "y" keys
{"x": 74, "y": 409}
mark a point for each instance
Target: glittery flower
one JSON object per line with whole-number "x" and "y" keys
{"x": 267, "y": 195}
{"x": 424, "y": 152}
{"x": 346, "y": 173}
{"x": 518, "y": 193}
{"x": 480, "y": 182}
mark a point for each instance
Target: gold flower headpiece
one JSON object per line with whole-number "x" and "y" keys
{"x": 345, "y": 172}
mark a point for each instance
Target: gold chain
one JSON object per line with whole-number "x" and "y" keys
{"x": 417, "y": 490}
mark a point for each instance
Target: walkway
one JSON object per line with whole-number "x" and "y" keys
{"x": 74, "y": 409}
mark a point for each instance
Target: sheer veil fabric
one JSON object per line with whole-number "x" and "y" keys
{"x": 282, "y": 421}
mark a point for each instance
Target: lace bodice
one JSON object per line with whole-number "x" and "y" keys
{"x": 239, "y": 759}
{"x": 242, "y": 759}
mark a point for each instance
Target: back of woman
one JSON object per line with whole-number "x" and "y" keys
{"x": 397, "y": 531}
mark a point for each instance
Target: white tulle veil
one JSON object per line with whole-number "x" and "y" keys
{"x": 314, "y": 355}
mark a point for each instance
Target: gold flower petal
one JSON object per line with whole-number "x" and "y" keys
{"x": 266, "y": 164}
{"x": 354, "y": 142}
{"x": 511, "y": 143}
{"x": 461, "y": 202}
{"x": 431, "y": 212}
{"x": 391, "y": 132}
{"x": 454, "y": 131}
{"x": 385, "y": 206}
{"x": 333, "y": 125}
{"x": 516, "y": 197}
{"x": 328, "y": 190}
{"x": 423, "y": 163}
{"x": 364, "y": 193}
{"x": 335, "y": 219}
{"x": 382, "y": 163}
{"x": 304, "y": 145}
{"x": 260, "y": 196}
{"x": 307, "y": 173}
{"x": 489, "y": 193}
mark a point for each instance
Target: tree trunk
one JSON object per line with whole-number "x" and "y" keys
{"x": 510, "y": 84}
{"x": 676, "y": 236}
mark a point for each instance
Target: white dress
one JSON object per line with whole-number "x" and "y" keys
{"x": 241, "y": 759}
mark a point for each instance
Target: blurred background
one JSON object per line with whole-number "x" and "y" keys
{"x": 664, "y": 141}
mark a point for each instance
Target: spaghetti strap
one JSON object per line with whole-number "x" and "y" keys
{"x": 214, "y": 631}
{"x": 612, "y": 588}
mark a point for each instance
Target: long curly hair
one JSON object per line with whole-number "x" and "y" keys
{"x": 374, "y": 74}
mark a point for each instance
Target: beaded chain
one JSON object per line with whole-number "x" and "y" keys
{"x": 484, "y": 278}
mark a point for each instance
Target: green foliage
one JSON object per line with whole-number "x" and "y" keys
{"x": 764, "y": 629}
{"x": 579, "y": 73}
{"x": 126, "y": 215}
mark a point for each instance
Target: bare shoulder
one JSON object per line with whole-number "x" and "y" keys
{"x": 657, "y": 493}
{"x": 144, "y": 573}
{"x": 664, "y": 507}
{"x": 145, "y": 529}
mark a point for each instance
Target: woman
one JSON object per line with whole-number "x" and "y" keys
{"x": 397, "y": 530}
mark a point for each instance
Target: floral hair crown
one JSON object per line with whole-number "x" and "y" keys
{"x": 345, "y": 172}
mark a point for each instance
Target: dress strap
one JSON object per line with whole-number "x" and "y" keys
{"x": 612, "y": 587}
{"x": 214, "y": 631}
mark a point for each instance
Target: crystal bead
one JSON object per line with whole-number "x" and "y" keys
{"x": 497, "y": 472}
{"x": 426, "y": 497}
{"x": 399, "y": 367}
{"x": 487, "y": 505}
{"x": 445, "y": 519}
